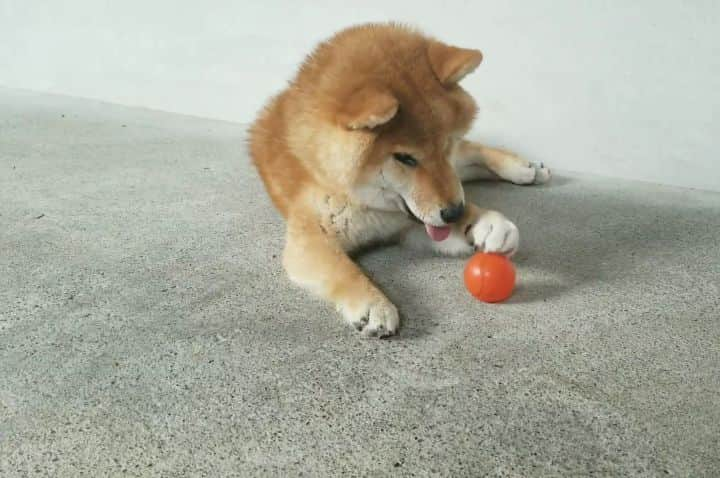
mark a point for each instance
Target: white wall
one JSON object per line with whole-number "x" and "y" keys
{"x": 627, "y": 89}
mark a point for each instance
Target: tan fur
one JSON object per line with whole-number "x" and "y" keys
{"x": 324, "y": 149}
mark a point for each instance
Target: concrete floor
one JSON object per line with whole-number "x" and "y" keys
{"x": 146, "y": 327}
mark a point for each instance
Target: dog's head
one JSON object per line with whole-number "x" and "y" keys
{"x": 407, "y": 121}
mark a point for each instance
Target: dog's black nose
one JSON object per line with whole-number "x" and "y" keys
{"x": 452, "y": 213}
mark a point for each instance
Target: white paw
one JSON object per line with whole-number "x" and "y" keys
{"x": 374, "y": 319}
{"x": 520, "y": 171}
{"x": 542, "y": 174}
{"x": 493, "y": 232}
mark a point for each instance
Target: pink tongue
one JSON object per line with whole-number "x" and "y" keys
{"x": 437, "y": 233}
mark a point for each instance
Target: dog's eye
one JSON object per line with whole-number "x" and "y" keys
{"x": 406, "y": 159}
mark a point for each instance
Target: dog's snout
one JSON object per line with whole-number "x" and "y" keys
{"x": 452, "y": 213}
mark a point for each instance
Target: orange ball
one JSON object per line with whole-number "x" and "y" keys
{"x": 490, "y": 277}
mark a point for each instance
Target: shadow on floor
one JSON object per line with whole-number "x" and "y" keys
{"x": 599, "y": 233}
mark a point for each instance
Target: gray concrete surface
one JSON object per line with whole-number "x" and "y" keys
{"x": 146, "y": 328}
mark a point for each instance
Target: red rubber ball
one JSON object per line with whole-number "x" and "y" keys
{"x": 490, "y": 277}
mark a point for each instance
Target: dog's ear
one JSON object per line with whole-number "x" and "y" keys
{"x": 368, "y": 107}
{"x": 452, "y": 64}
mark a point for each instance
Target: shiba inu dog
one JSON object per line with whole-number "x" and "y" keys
{"x": 366, "y": 145}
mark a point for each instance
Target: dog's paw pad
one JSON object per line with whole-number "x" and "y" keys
{"x": 360, "y": 323}
{"x": 379, "y": 319}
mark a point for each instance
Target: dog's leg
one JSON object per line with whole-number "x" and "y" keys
{"x": 479, "y": 230}
{"x": 474, "y": 161}
{"x": 316, "y": 261}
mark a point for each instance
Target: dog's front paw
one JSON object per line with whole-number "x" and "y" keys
{"x": 542, "y": 174}
{"x": 493, "y": 232}
{"x": 520, "y": 171}
{"x": 378, "y": 318}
